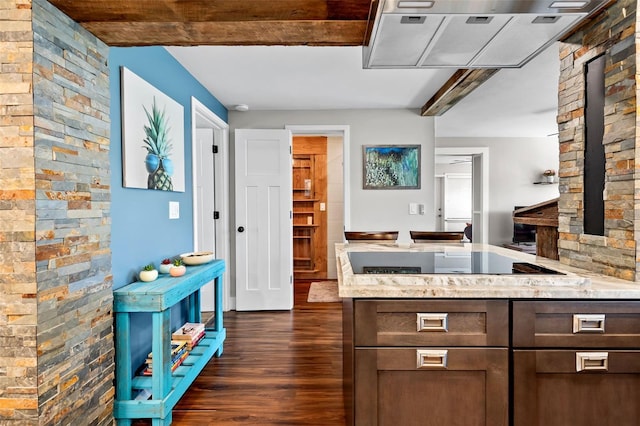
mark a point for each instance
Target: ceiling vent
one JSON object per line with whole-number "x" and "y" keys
{"x": 469, "y": 33}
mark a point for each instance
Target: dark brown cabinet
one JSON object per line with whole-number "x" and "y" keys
{"x": 576, "y": 324}
{"x": 431, "y": 387}
{"x": 447, "y": 362}
{"x": 551, "y": 388}
{"x": 576, "y": 363}
{"x": 426, "y": 363}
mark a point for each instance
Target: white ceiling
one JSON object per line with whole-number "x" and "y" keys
{"x": 513, "y": 103}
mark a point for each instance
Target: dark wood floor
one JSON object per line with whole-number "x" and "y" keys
{"x": 278, "y": 368}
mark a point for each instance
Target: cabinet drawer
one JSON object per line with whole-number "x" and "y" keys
{"x": 549, "y": 390}
{"x": 579, "y": 324}
{"x": 455, "y": 386}
{"x": 431, "y": 322}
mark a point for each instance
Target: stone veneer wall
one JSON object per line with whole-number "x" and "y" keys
{"x": 18, "y": 307}
{"x": 612, "y": 33}
{"x": 57, "y": 357}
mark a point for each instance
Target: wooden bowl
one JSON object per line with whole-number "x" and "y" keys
{"x": 197, "y": 258}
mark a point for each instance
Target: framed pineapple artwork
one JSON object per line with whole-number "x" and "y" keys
{"x": 152, "y": 137}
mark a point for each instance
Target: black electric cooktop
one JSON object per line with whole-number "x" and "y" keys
{"x": 454, "y": 262}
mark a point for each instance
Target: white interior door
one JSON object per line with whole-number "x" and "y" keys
{"x": 480, "y": 175}
{"x": 210, "y": 174}
{"x": 204, "y": 170}
{"x": 205, "y": 188}
{"x": 264, "y": 248}
{"x": 457, "y": 201}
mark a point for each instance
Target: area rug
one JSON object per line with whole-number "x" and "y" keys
{"x": 323, "y": 291}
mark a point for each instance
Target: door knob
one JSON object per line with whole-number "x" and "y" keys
{"x": 241, "y": 229}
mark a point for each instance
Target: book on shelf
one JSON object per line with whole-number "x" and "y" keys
{"x": 192, "y": 333}
{"x": 143, "y": 394}
{"x": 148, "y": 370}
{"x": 176, "y": 347}
{"x": 174, "y": 356}
{"x": 183, "y": 340}
{"x": 194, "y": 343}
{"x": 178, "y": 353}
{"x": 189, "y": 331}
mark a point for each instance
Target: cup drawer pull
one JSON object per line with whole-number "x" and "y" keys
{"x": 588, "y": 323}
{"x": 592, "y": 361}
{"x": 432, "y": 322}
{"x": 430, "y": 358}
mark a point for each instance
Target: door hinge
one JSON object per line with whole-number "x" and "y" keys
{"x": 214, "y": 148}
{"x": 216, "y": 215}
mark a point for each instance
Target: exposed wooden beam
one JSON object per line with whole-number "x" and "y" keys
{"x": 461, "y": 83}
{"x": 223, "y": 22}
{"x": 288, "y": 33}
{"x": 213, "y": 10}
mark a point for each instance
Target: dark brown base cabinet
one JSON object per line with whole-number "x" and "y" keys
{"x": 427, "y": 363}
{"x": 548, "y": 391}
{"x": 470, "y": 389}
{"x": 576, "y": 363}
{"x": 447, "y": 362}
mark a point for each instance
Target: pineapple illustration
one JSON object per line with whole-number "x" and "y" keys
{"x": 158, "y": 146}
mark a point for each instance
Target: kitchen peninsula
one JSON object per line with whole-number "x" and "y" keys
{"x": 480, "y": 335}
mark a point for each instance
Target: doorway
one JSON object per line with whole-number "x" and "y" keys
{"x": 210, "y": 192}
{"x": 453, "y": 199}
{"x": 309, "y": 170}
{"x": 478, "y": 158}
{"x": 338, "y": 178}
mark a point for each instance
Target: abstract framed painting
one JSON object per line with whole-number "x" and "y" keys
{"x": 391, "y": 167}
{"x": 152, "y": 137}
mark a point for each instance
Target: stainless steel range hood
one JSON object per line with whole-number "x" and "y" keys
{"x": 469, "y": 33}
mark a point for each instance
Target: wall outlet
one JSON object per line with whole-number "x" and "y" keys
{"x": 174, "y": 210}
{"x": 323, "y": 207}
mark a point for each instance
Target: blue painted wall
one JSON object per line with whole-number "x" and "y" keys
{"x": 141, "y": 231}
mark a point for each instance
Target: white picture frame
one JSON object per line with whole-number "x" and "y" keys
{"x": 142, "y": 103}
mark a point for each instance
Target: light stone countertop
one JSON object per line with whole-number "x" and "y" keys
{"x": 575, "y": 284}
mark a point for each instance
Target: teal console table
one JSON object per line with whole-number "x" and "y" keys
{"x": 157, "y": 297}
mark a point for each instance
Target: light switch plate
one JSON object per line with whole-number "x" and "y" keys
{"x": 413, "y": 208}
{"x": 323, "y": 207}
{"x": 174, "y": 210}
